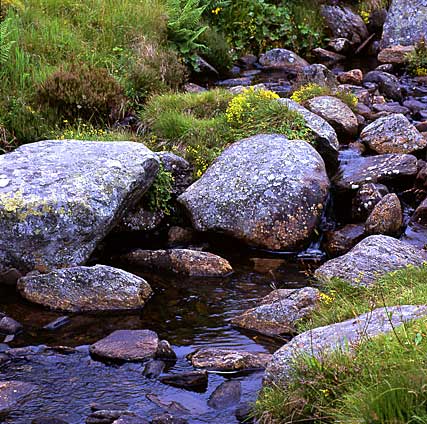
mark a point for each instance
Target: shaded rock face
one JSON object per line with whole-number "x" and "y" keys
{"x": 375, "y": 169}
{"x": 84, "y": 289}
{"x": 265, "y": 190}
{"x": 127, "y": 345}
{"x": 327, "y": 56}
{"x": 325, "y": 137}
{"x": 388, "y": 84}
{"x": 395, "y": 54}
{"x": 278, "y": 312}
{"x": 343, "y": 335}
{"x": 406, "y": 23}
{"x": 386, "y": 217}
{"x": 193, "y": 263}
{"x": 140, "y": 219}
{"x": 12, "y": 393}
{"x": 226, "y": 394}
{"x": 393, "y": 134}
{"x": 317, "y": 74}
{"x": 282, "y": 59}
{"x": 341, "y": 241}
{"x": 373, "y": 257}
{"x": 344, "y": 23}
{"x": 336, "y": 112}
{"x": 228, "y": 360}
{"x": 180, "y": 169}
{"x": 365, "y": 200}
{"x": 58, "y": 199}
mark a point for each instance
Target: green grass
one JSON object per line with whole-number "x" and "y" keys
{"x": 383, "y": 380}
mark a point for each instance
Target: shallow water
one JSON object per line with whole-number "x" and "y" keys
{"x": 189, "y": 313}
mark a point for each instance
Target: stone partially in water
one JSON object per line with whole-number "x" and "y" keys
{"x": 387, "y": 216}
{"x": 228, "y": 360}
{"x": 365, "y": 200}
{"x": 278, "y": 312}
{"x": 64, "y": 198}
{"x": 226, "y": 394}
{"x": 388, "y": 84}
{"x": 194, "y": 380}
{"x": 193, "y": 263}
{"x": 12, "y": 393}
{"x": 370, "y": 259}
{"x": 340, "y": 241}
{"x": 265, "y": 190}
{"x": 83, "y": 289}
{"x": 343, "y": 335}
{"x": 127, "y": 345}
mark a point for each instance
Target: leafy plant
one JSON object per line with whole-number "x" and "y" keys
{"x": 5, "y": 42}
{"x": 158, "y": 196}
{"x": 417, "y": 60}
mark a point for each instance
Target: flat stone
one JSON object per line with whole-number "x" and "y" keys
{"x": 84, "y": 289}
{"x": 193, "y": 263}
{"x": 343, "y": 335}
{"x": 228, "y": 360}
{"x": 277, "y": 313}
{"x": 327, "y": 56}
{"x": 386, "y": 217}
{"x": 282, "y": 59}
{"x": 193, "y": 380}
{"x": 226, "y": 394}
{"x": 395, "y": 54}
{"x": 12, "y": 393}
{"x": 64, "y": 198}
{"x": 354, "y": 76}
{"x": 373, "y": 257}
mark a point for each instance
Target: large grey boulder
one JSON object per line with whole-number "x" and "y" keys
{"x": 58, "y": 199}
{"x": 343, "y": 335}
{"x": 12, "y": 393}
{"x": 278, "y": 313}
{"x": 393, "y": 134}
{"x": 406, "y": 23}
{"x": 373, "y": 257}
{"x": 325, "y": 137}
{"x": 84, "y": 289}
{"x": 282, "y": 59}
{"x": 336, "y": 113}
{"x": 344, "y": 23}
{"x": 265, "y": 190}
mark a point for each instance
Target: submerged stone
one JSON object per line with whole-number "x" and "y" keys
{"x": 12, "y": 393}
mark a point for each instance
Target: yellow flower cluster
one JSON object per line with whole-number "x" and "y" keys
{"x": 216, "y": 10}
{"x": 308, "y": 91}
{"x": 327, "y": 298}
{"x": 245, "y": 102}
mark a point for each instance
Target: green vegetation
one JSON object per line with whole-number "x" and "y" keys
{"x": 382, "y": 380}
{"x": 158, "y": 197}
{"x": 365, "y": 8}
{"x": 199, "y": 126}
{"x": 417, "y": 60}
{"x": 309, "y": 91}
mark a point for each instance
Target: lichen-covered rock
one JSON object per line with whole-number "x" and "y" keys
{"x": 84, "y": 289}
{"x": 406, "y": 23}
{"x": 282, "y": 59}
{"x": 395, "y": 54}
{"x": 181, "y": 170}
{"x": 325, "y": 137}
{"x": 12, "y": 393}
{"x": 58, "y": 199}
{"x": 127, "y": 345}
{"x": 365, "y": 200}
{"x": 277, "y": 313}
{"x": 375, "y": 169}
{"x": 140, "y": 219}
{"x": 317, "y": 74}
{"x": 386, "y": 217}
{"x": 340, "y": 45}
{"x": 388, "y": 84}
{"x": 344, "y": 23}
{"x": 343, "y": 335}
{"x": 373, "y": 257}
{"x": 393, "y": 134}
{"x": 265, "y": 190}
{"x": 228, "y": 360}
{"x": 193, "y": 263}
{"x": 336, "y": 112}
{"x": 327, "y": 56}
{"x": 342, "y": 240}
{"x": 354, "y": 76}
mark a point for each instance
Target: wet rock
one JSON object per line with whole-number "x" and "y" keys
{"x": 282, "y": 59}
{"x": 327, "y": 56}
{"x": 365, "y": 200}
{"x": 9, "y": 326}
{"x": 406, "y": 23}
{"x": 375, "y": 169}
{"x": 102, "y": 406}
{"x": 265, "y": 190}
{"x": 48, "y": 420}
{"x": 130, "y": 419}
{"x": 395, "y": 54}
{"x": 326, "y": 140}
{"x": 390, "y": 108}
{"x": 393, "y": 134}
{"x": 388, "y": 84}
{"x": 336, "y": 113}
{"x": 168, "y": 419}
{"x": 228, "y": 360}
{"x": 13, "y": 393}
{"x": 83, "y": 289}
{"x": 193, "y": 263}
{"x": 104, "y": 416}
{"x": 244, "y": 413}
{"x": 194, "y": 380}
{"x": 63, "y": 197}
{"x": 354, "y": 76}
{"x": 373, "y": 257}
{"x": 127, "y": 345}
{"x": 317, "y": 74}
{"x": 226, "y": 394}
{"x": 340, "y": 45}
{"x": 343, "y": 335}
{"x": 278, "y": 312}
{"x": 165, "y": 351}
{"x": 340, "y": 241}
{"x": 153, "y": 368}
{"x": 420, "y": 215}
{"x": 386, "y": 218}
{"x": 344, "y": 23}
{"x": 178, "y": 236}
